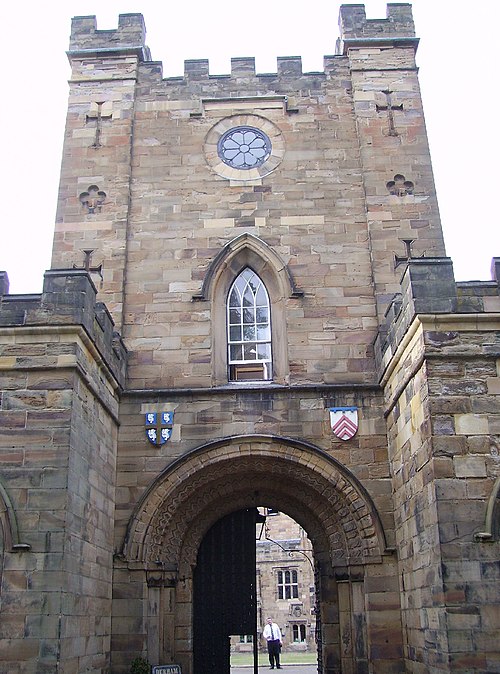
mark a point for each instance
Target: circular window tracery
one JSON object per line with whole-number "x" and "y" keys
{"x": 244, "y": 147}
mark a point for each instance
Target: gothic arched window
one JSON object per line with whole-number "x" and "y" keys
{"x": 249, "y": 329}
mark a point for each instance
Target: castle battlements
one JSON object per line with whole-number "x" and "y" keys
{"x": 355, "y": 31}
{"x": 68, "y": 299}
{"x": 353, "y": 23}
{"x": 129, "y": 36}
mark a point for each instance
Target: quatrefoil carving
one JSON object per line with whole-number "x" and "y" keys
{"x": 93, "y": 199}
{"x": 400, "y": 187}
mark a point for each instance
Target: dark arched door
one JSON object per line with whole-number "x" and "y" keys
{"x": 225, "y": 599}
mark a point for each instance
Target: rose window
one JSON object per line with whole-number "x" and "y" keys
{"x": 244, "y": 147}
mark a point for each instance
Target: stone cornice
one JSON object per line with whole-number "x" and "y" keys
{"x": 61, "y": 334}
{"x": 359, "y": 42}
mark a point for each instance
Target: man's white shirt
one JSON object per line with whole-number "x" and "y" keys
{"x": 274, "y": 634}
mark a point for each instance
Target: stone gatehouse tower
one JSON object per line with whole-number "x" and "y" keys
{"x": 235, "y": 256}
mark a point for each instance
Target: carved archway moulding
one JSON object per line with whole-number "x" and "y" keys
{"x": 323, "y": 496}
{"x": 249, "y": 250}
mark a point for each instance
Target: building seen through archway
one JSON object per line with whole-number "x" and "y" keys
{"x": 285, "y": 584}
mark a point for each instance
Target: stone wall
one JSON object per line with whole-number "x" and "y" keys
{"x": 60, "y": 373}
{"x": 443, "y": 411}
{"x": 400, "y": 196}
{"x": 93, "y": 200}
{"x": 339, "y": 149}
{"x": 280, "y": 413}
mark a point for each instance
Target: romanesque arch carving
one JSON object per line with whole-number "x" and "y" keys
{"x": 327, "y": 546}
{"x": 214, "y": 479}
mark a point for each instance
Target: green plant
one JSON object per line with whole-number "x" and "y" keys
{"x": 140, "y": 666}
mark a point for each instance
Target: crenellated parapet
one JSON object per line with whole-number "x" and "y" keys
{"x": 129, "y": 36}
{"x": 357, "y": 31}
{"x": 286, "y": 66}
{"x": 243, "y": 80}
{"x": 68, "y": 299}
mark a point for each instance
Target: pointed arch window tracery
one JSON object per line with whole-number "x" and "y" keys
{"x": 249, "y": 329}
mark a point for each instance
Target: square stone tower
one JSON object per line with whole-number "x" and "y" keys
{"x": 249, "y": 306}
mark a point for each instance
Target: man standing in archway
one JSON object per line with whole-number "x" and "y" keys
{"x": 272, "y": 634}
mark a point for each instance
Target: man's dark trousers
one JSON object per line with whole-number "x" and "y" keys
{"x": 273, "y": 648}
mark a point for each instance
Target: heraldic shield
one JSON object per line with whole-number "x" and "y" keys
{"x": 344, "y": 422}
{"x": 159, "y": 427}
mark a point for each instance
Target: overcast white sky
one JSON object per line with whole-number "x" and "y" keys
{"x": 458, "y": 59}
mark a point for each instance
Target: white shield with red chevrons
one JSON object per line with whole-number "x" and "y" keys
{"x": 344, "y": 422}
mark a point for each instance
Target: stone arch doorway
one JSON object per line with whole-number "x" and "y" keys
{"x": 318, "y": 492}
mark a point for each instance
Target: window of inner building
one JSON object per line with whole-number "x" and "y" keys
{"x": 288, "y": 587}
{"x": 249, "y": 329}
{"x": 246, "y": 638}
{"x": 299, "y": 633}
